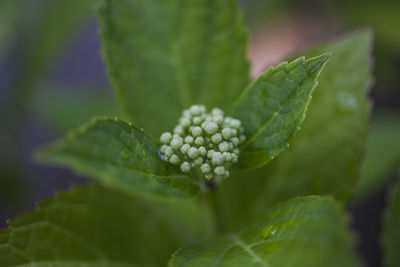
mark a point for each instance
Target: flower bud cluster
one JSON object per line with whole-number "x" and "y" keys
{"x": 205, "y": 141}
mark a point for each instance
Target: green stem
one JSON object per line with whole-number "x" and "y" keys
{"x": 211, "y": 198}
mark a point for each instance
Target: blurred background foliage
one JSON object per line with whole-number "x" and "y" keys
{"x": 52, "y": 79}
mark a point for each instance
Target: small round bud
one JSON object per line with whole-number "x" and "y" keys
{"x": 217, "y": 158}
{"x": 236, "y": 151}
{"x": 185, "y": 167}
{"x": 185, "y": 148}
{"x": 218, "y": 119}
{"x": 185, "y": 122}
{"x": 176, "y": 143}
{"x": 202, "y": 151}
{"x": 193, "y": 152}
{"x": 209, "y": 176}
{"x": 219, "y": 170}
{"x": 227, "y": 156}
{"x": 235, "y": 141}
{"x": 217, "y": 111}
{"x": 224, "y": 146}
{"x": 174, "y": 159}
{"x": 226, "y": 133}
{"x": 197, "y": 120}
{"x": 196, "y": 131}
{"x": 189, "y": 139}
{"x": 166, "y": 138}
{"x": 216, "y": 138}
{"x": 226, "y": 174}
{"x": 162, "y": 149}
{"x": 205, "y": 168}
{"x": 179, "y": 130}
{"x": 235, "y": 158}
{"x": 210, "y": 153}
{"x": 210, "y": 145}
{"x": 199, "y": 141}
{"x": 195, "y": 110}
{"x": 235, "y": 124}
{"x": 211, "y": 128}
{"x": 198, "y": 161}
{"x": 168, "y": 151}
{"x": 242, "y": 138}
{"x": 166, "y": 159}
{"x": 227, "y": 121}
{"x": 186, "y": 113}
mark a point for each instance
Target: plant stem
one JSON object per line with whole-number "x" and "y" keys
{"x": 211, "y": 198}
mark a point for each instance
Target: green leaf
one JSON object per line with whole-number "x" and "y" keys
{"x": 391, "y": 230}
{"x": 325, "y": 156}
{"x": 273, "y": 107}
{"x": 119, "y": 155}
{"x": 307, "y": 231}
{"x": 383, "y": 155}
{"x": 96, "y": 226}
{"x": 163, "y": 56}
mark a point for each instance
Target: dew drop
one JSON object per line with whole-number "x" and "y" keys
{"x": 346, "y": 102}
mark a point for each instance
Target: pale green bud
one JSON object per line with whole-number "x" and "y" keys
{"x": 166, "y": 159}
{"x": 216, "y": 138}
{"x": 189, "y": 139}
{"x": 185, "y": 167}
{"x": 235, "y": 141}
{"x": 199, "y": 141}
{"x": 211, "y": 128}
{"x": 235, "y": 124}
{"x": 166, "y": 138}
{"x": 226, "y": 174}
{"x": 185, "y": 148}
{"x": 185, "y": 122}
{"x": 168, "y": 151}
{"x": 176, "y": 143}
{"x": 193, "y": 153}
{"x": 195, "y": 110}
{"x": 218, "y": 119}
{"x": 227, "y": 156}
{"x": 224, "y": 147}
{"x": 196, "y": 131}
{"x": 202, "y": 151}
{"x": 210, "y": 153}
{"x": 226, "y": 133}
{"x": 205, "y": 168}
{"x": 197, "y": 120}
{"x": 162, "y": 149}
{"x": 235, "y": 158}
{"x": 198, "y": 161}
{"x": 217, "y": 111}
{"x": 186, "y": 113}
{"x": 209, "y": 176}
{"x": 179, "y": 130}
{"x": 236, "y": 151}
{"x": 242, "y": 138}
{"x": 219, "y": 170}
{"x": 217, "y": 158}
{"x": 174, "y": 159}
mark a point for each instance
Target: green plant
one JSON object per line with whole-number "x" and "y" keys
{"x": 163, "y": 57}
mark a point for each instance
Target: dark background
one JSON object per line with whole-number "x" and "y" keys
{"x": 52, "y": 78}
